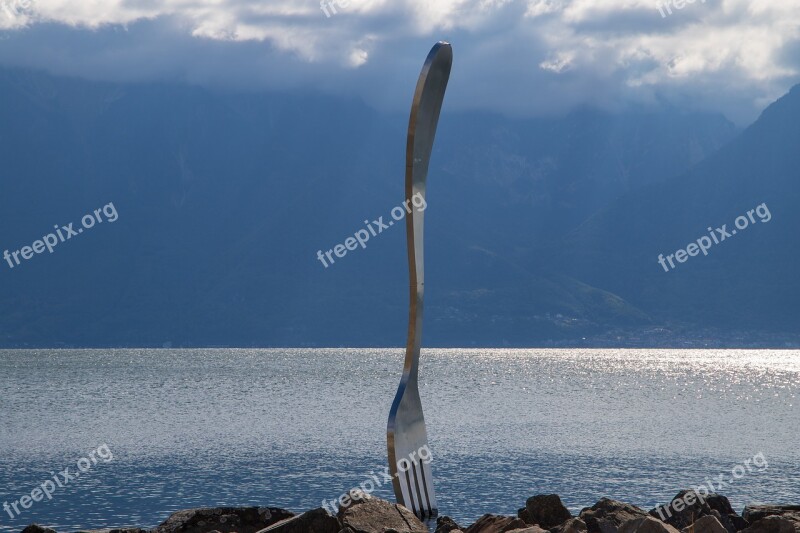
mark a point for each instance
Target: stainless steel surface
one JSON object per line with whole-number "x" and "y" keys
{"x": 406, "y": 433}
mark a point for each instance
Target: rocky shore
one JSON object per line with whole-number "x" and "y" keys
{"x": 688, "y": 512}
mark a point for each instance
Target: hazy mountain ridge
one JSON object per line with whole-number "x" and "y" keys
{"x": 746, "y": 280}
{"x": 224, "y": 200}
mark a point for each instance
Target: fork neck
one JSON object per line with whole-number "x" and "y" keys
{"x": 416, "y": 273}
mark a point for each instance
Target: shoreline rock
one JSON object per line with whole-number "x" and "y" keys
{"x": 688, "y": 512}
{"x": 545, "y": 510}
{"x": 688, "y": 506}
{"x": 222, "y": 520}
{"x": 607, "y": 515}
{"x": 754, "y": 513}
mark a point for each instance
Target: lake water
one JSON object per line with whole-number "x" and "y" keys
{"x": 291, "y": 427}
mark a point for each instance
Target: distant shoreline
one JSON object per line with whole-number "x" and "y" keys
{"x": 565, "y": 345}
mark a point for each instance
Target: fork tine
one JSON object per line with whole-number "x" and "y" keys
{"x": 415, "y": 488}
{"x": 419, "y": 482}
{"x": 410, "y": 481}
{"x": 430, "y": 497}
{"x": 417, "y": 491}
{"x": 405, "y": 491}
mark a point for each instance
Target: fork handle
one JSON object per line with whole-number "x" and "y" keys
{"x": 425, "y": 109}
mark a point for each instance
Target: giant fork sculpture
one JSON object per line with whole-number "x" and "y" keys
{"x": 406, "y": 434}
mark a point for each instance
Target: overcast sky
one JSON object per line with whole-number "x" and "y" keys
{"x": 520, "y": 57}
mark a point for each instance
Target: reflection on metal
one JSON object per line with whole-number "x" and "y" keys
{"x": 406, "y": 434}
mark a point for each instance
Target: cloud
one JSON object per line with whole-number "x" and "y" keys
{"x": 520, "y": 57}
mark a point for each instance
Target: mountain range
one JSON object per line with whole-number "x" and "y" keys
{"x": 539, "y": 231}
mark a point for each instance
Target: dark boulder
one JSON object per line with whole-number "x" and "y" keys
{"x": 689, "y": 505}
{"x": 445, "y": 524}
{"x": 223, "y": 519}
{"x": 36, "y": 528}
{"x": 546, "y": 510}
{"x": 373, "y": 515}
{"x": 720, "y": 503}
{"x": 116, "y": 530}
{"x": 607, "y": 515}
{"x": 729, "y": 518}
{"x": 754, "y": 513}
{"x": 731, "y": 522}
{"x": 774, "y": 524}
{"x": 573, "y": 525}
{"x": 646, "y": 524}
{"x": 316, "y": 521}
{"x": 686, "y": 507}
{"x": 706, "y": 524}
{"x": 490, "y": 523}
